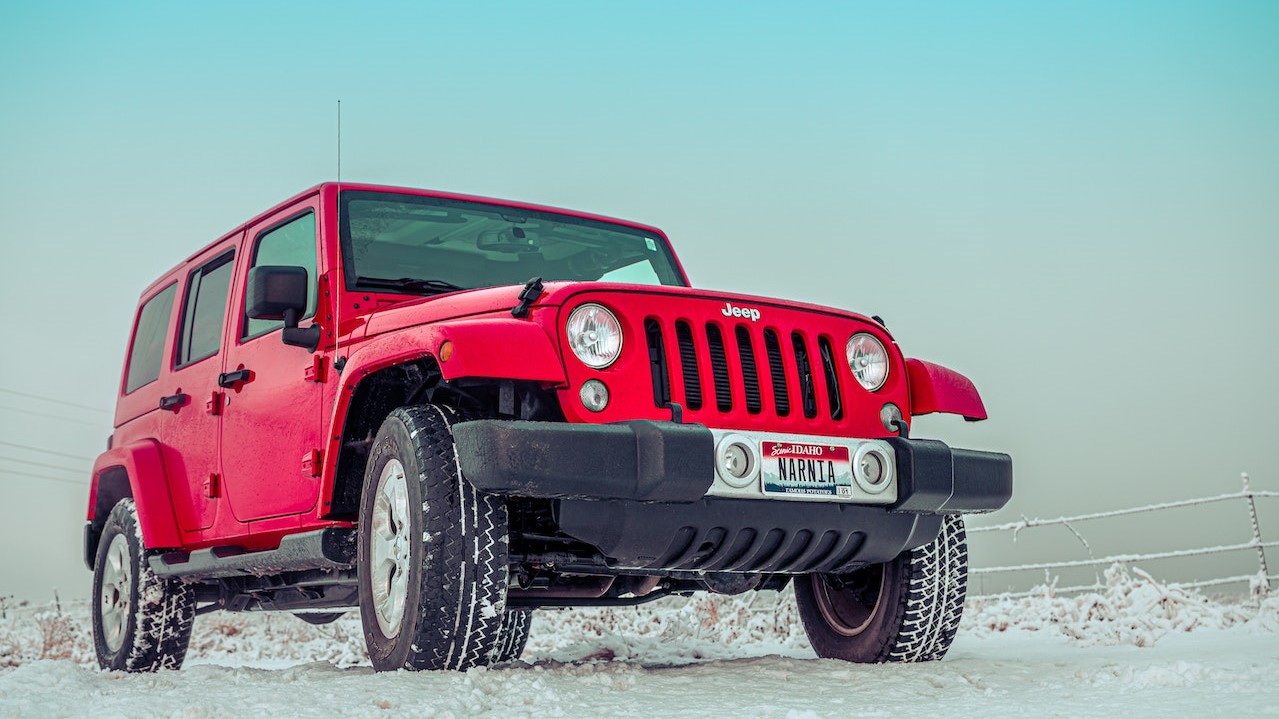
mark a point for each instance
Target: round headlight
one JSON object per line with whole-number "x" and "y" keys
{"x": 594, "y": 335}
{"x": 868, "y": 360}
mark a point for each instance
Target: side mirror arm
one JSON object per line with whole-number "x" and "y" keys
{"x": 308, "y": 337}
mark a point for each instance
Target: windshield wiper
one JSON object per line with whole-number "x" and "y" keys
{"x": 412, "y": 284}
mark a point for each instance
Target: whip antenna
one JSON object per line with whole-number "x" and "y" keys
{"x": 336, "y": 284}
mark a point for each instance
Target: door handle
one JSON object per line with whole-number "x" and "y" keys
{"x": 174, "y": 402}
{"x": 230, "y": 379}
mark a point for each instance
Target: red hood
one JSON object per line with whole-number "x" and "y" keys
{"x": 501, "y": 299}
{"x": 437, "y": 308}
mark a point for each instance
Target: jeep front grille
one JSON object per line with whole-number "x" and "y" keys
{"x": 688, "y": 366}
{"x": 750, "y": 376}
{"x": 657, "y": 360}
{"x": 719, "y": 369}
{"x": 777, "y": 372}
{"x": 832, "y": 378}
{"x": 806, "y": 392}
{"x": 737, "y": 373}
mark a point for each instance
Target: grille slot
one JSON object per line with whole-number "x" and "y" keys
{"x": 777, "y": 371}
{"x": 688, "y": 365}
{"x": 719, "y": 368}
{"x": 750, "y": 375}
{"x": 807, "y": 391}
{"x": 832, "y": 378}
{"x": 657, "y": 363}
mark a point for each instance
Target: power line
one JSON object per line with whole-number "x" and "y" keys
{"x": 45, "y": 451}
{"x": 40, "y": 464}
{"x": 52, "y": 416}
{"x": 54, "y": 401}
{"x": 41, "y": 476}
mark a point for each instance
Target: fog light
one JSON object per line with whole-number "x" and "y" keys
{"x": 737, "y": 461}
{"x": 594, "y": 395}
{"x": 872, "y": 468}
{"x": 735, "y": 458}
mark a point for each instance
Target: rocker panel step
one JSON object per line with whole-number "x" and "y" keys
{"x": 330, "y": 548}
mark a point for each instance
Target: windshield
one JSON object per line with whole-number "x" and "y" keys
{"x": 428, "y": 245}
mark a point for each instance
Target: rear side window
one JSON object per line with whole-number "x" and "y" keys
{"x": 204, "y": 311}
{"x": 293, "y": 245}
{"x": 146, "y": 354}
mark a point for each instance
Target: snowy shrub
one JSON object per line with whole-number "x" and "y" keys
{"x": 1132, "y": 608}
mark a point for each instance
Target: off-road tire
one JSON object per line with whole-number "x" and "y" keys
{"x": 905, "y": 610}
{"x": 957, "y": 587}
{"x": 513, "y": 636}
{"x": 455, "y": 599}
{"x": 154, "y": 628}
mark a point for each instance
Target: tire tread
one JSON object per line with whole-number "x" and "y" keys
{"x": 462, "y": 589}
{"x": 925, "y": 613}
{"x": 158, "y": 633}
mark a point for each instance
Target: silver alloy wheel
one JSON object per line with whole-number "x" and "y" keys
{"x": 391, "y": 548}
{"x": 114, "y": 597}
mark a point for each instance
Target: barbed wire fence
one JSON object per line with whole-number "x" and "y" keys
{"x": 1260, "y": 582}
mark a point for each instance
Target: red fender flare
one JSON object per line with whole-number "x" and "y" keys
{"x": 934, "y": 388}
{"x": 480, "y": 348}
{"x": 144, "y": 465}
{"x": 483, "y": 347}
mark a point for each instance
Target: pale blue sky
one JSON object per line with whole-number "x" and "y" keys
{"x": 1076, "y": 204}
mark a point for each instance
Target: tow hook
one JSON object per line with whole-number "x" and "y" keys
{"x": 903, "y": 430}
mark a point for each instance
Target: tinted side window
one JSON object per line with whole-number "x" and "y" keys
{"x": 146, "y": 354}
{"x": 291, "y": 244}
{"x": 204, "y": 311}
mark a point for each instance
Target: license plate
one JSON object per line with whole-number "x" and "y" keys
{"x": 796, "y": 468}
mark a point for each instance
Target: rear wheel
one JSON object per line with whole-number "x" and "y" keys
{"x": 432, "y": 550}
{"x": 905, "y": 610}
{"x": 141, "y": 621}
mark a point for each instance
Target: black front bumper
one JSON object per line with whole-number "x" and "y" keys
{"x": 646, "y": 461}
{"x": 637, "y": 492}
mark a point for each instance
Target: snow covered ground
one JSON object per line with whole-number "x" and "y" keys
{"x": 1137, "y": 649}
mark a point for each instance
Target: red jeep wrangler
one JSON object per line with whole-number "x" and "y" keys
{"x": 359, "y": 399}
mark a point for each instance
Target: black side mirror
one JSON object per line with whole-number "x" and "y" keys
{"x": 279, "y": 293}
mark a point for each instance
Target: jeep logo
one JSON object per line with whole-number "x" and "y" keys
{"x": 730, "y": 311}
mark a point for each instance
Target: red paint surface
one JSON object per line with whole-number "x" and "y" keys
{"x": 267, "y": 429}
{"x": 629, "y": 380}
{"x": 143, "y": 462}
{"x": 934, "y": 388}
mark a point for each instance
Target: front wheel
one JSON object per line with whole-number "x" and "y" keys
{"x": 904, "y": 610}
{"x": 513, "y": 636}
{"x": 432, "y": 550}
{"x": 141, "y": 621}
